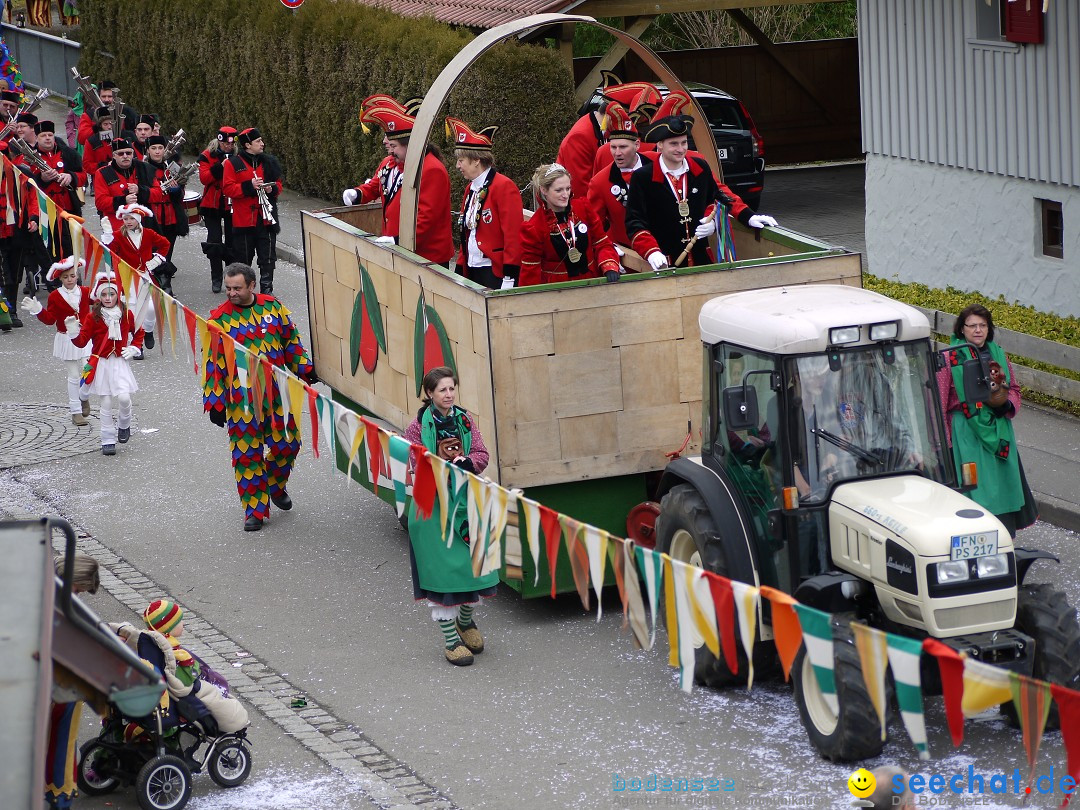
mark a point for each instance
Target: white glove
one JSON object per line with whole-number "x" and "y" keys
{"x": 620, "y": 251}
{"x": 106, "y": 230}
{"x": 155, "y": 261}
{"x": 31, "y": 305}
{"x": 349, "y": 195}
{"x": 385, "y": 240}
{"x": 760, "y": 221}
{"x": 71, "y": 325}
{"x": 507, "y": 283}
{"x": 128, "y": 352}
{"x": 657, "y": 260}
{"x": 706, "y": 229}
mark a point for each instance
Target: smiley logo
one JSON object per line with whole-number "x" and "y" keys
{"x": 861, "y": 783}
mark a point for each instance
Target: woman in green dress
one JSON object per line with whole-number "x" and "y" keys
{"x": 441, "y": 573}
{"x": 983, "y": 433}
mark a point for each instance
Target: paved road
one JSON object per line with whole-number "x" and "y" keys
{"x": 320, "y": 603}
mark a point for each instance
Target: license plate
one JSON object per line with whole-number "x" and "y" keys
{"x": 967, "y": 546}
{"x": 723, "y": 153}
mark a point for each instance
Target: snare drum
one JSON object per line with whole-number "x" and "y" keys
{"x": 192, "y": 199}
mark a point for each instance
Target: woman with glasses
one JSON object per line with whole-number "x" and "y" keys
{"x": 983, "y": 432}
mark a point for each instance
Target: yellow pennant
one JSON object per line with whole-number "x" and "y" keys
{"x": 746, "y": 603}
{"x": 985, "y": 686}
{"x": 702, "y": 608}
{"x": 873, "y": 648}
{"x": 499, "y": 509}
{"x": 532, "y": 533}
{"x": 297, "y": 395}
{"x": 596, "y": 543}
{"x": 670, "y": 611}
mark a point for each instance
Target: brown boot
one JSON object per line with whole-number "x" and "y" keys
{"x": 471, "y": 638}
{"x": 86, "y": 407}
{"x": 459, "y": 656}
{"x": 79, "y": 420}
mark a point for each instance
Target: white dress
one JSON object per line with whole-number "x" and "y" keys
{"x": 113, "y": 375}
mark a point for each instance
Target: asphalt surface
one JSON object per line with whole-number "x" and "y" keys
{"x": 557, "y": 707}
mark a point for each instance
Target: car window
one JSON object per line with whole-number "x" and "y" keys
{"x": 722, "y": 113}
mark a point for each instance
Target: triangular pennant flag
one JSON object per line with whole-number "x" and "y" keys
{"x": 259, "y": 388}
{"x": 399, "y": 465}
{"x": 670, "y": 611}
{"x": 202, "y": 329}
{"x": 478, "y": 504}
{"x": 281, "y": 382}
{"x": 189, "y": 322}
{"x": 531, "y": 511}
{"x": 626, "y": 574}
{"x": 680, "y": 617}
{"x": 651, "y": 566}
{"x": 228, "y": 351}
{"x": 552, "y": 529}
{"x": 596, "y": 543}
{"x": 499, "y": 499}
{"x": 375, "y": 454}
{"x": 786, "y": 628}
{"x": 724, "y": 603}
{"x": 241, "y": 372}
{"x": 313, "y": 415}
{"x": 327, "y": 422}
{"x": 818, "y": 638}
{"x": 579, "y": 557}
{"x": 746, "y": 607}
{"x": 951, "y": 666}
{"x": 703, "y": 609}
{"x": 297, "y": 395}
{"x": 1032, "y": 701}
{"x": 424, "y": 491}
{"x": 457, "y": 481}
{"x": 1068, "y": 704}
{"x": 350, "y": 435}
{"x": 904, "y": 660}
{"x": 441, "y": 470}
{"x": 872, "y": 648}
{"x": 984, "y": 686}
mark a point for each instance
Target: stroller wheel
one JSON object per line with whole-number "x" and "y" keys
{"x": 164, "y": 783}
{"x": 230, "y": 763}
{"x": 96, "y": 775}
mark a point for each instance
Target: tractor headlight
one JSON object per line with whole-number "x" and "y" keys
{"x": 885, "y": 331}
{"x": 952, "y": 571}
{"x": 843, "y": 334}
{"x": 995, "y": 565}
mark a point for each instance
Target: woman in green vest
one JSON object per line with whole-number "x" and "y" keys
{"x": 983, "y": 432}
{"x": 441, "y": 571}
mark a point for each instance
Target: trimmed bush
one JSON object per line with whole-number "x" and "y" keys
{"x": 299, "y": 76}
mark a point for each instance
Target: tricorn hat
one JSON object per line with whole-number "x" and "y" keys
{"x": 466, "y": 138}
{"x": 392, "y": 120}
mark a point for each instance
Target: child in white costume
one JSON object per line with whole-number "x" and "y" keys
{"x": 110, "y": 330}
{"x": 69, "y": 300}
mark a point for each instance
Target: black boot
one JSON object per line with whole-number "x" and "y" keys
{"x": 217, "y": 275}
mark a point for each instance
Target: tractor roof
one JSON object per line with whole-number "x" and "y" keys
{"x": 797, "y": 319}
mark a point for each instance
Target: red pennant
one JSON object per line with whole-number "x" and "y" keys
{"x": 952, "y": 683}
{"x": 724, "y": 602}
{"x": 552, "y": 531}
{"x": 1068, "y": 703}
{"x": 424, "y": 489}
{"x": 189, "y": 322}
{"x": 375, "y": 457}
{"x": 313, "y": 410}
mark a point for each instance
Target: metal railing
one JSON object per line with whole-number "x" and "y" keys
{"x": 1019, "y": 344}
{"x": 44, "y": 60}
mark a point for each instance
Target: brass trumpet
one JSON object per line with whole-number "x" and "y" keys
{"x": 118, "y": 117}
{"x": 177, "y": 175}
{"x": 24, "y": 149}
{"x": 26, "y": 107}
{"x": 172, "y": 148}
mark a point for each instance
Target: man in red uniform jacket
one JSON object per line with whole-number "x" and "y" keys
{"x": 60, "y": 183}
{"x": 215, "y": 207}
{"x": 433, "y": 236}
{"x": 608, "y": 187}
{"x": 248, "y": 173}
{"x": 491, "y": 214}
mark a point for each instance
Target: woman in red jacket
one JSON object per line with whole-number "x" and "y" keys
{"x": 110, "y": 329}
{"x": 564, "y": 240}
{"x": 70, "y": 300}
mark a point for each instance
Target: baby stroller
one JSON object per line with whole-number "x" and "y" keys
{"x": 159, "y": 752}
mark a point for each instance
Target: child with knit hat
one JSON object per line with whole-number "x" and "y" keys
{"x": 186, "y": 673}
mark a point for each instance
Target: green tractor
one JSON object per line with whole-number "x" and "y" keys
{"x": 825, "y": 472}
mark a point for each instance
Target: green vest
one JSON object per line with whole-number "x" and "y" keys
{"x": 440, "y": 568}
{"x": 989, "y": 441}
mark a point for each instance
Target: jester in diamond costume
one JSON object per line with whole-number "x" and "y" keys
{"x": 264, "y": 439}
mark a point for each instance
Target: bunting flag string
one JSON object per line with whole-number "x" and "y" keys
{"x": 818, "y": 637}
{"x": 702, "y": 608}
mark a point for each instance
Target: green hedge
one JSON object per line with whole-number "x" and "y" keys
{"x": 299, "y": 76}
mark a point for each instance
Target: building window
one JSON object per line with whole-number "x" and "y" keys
{"x": 989, "y": 20}
{"x": 1053, "y": 229}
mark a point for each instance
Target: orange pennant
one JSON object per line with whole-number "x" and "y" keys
{"x": 786, "y": 627}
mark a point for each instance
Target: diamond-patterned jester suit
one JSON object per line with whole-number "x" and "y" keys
{"x": 263, "y": 328}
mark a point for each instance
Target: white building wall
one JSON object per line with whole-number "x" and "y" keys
{"x": 970, "y": 230}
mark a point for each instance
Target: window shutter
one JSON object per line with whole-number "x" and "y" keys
{"x": 1024, "y": 21}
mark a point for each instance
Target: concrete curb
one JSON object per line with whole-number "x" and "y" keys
{"x": 1058, "y": 512}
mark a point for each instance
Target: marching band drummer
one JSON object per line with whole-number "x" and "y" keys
{"x": 252, "y": 180}
{"x": 214, "y": 207}
{"x": 491, "y": 215}
{"x": 564, "y": 240}
{"x": 434, "y": 240}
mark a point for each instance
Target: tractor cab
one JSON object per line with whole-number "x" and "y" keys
{"x": 815, "y": 388}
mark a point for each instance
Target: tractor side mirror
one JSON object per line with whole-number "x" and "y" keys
{"x": 741, "y": 407}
